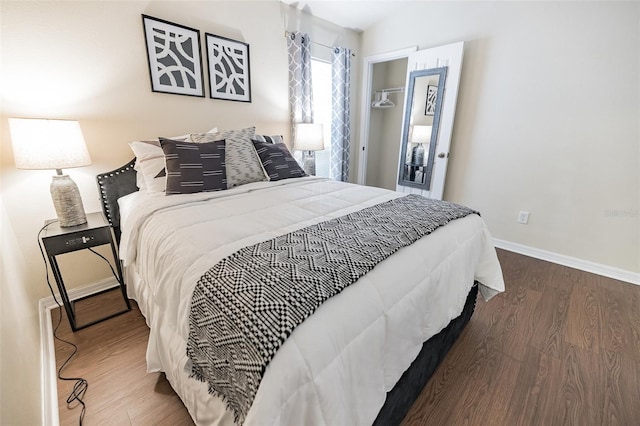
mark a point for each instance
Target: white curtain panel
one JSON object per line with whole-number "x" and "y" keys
{"x": 341, "y": 113}
{"x": 300, "y": 88}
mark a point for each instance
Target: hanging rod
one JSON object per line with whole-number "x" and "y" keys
{"x": 288, "y": 33}
{"x": 392, "y": 90}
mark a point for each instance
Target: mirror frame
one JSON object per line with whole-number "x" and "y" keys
{"x": 442, "y": 72}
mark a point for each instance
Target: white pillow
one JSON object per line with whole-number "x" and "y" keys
{"x": 151, "y": 174}
{"x": 140, "y": 182}
{"x": 149, "y": 164}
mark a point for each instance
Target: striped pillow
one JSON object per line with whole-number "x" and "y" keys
{"x": 194, "y": 167}
{"x": 149, "y": 167}
{"x": 270, "y": 139}
{"x": 277, "y": 161}
{"x": 242, "y": 162}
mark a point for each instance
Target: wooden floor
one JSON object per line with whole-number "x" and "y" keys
{"x": 560, "y": 347}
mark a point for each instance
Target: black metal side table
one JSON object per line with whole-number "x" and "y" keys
{"x": 57, "y": 240}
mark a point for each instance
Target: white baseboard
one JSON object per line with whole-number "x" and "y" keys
{"x": 48, "y": 370}
{"x": 572, "y": 262}
{"x": 48, "y": 383}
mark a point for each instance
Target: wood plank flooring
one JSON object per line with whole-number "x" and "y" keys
{"x": 559, "y": 347}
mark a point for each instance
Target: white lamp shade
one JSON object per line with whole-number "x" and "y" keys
{"x": 309, "y": 137}
{"x": 48, "y": 144}
{"x": 421, "y": 134}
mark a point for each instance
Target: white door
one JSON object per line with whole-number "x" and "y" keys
{"x": 449, "y": 56}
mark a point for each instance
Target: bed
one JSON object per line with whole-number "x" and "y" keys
{"x": 362, "y": 357}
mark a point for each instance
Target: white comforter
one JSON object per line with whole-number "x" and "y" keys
{"x": 337, "y": 366}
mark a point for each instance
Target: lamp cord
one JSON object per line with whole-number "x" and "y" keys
{"x": 115, "y": 275}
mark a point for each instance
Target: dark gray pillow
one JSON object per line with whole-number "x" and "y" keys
{"x": 278, "y": 161}
{"x": 194, "y": 167}
{"x": 270, "y": 139}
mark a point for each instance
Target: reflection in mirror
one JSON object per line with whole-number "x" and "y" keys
{"x": 420, "y": 128}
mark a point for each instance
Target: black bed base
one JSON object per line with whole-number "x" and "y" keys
{"x": 406, "y": 391}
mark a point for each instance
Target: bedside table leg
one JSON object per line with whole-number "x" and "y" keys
{"x": 123, "y": 289}
{"x": 63, "y": 293}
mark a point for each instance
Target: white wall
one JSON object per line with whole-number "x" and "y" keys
{"x": 389, "y": 125}
{"x": 19, "y": 366}
{"x": 548, "y": 118}
{"x": 376, "y": 126}
{"x": 87, "y": 61}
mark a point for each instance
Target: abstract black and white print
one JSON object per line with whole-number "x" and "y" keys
{"x": 432, "y": 96}
{"x": 229, "y": 76}
{"x": 174, "y": 58}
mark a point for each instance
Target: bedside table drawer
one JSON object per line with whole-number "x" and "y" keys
{"x": 79, "y": 240}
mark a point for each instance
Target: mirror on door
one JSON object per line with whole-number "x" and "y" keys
{"x": 420, "y": 129}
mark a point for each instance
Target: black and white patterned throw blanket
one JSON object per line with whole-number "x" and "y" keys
{"x": 244, "y": 308}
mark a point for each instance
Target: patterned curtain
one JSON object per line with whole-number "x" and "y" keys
{"x": 300, "y": 89}
{"x": 341, "y": 114}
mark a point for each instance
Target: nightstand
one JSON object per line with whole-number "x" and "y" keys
{"x": 58, "y": 241}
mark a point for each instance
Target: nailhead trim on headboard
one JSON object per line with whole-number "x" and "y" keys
{"x": 113, "y": 185}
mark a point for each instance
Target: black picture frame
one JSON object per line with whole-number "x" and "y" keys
{"x": 174, "y": 57}
{"x": 229, "y": 67}
{"x": 432, "y": 96}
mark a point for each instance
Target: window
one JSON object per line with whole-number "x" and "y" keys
{"x": 321, "y": 72}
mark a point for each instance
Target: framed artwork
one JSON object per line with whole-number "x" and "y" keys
{"x": 432, "y": 95}
{"x": 173, "y": 51}
{"x": 228, "y": 62}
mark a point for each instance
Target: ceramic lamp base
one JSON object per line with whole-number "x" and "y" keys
{"x": 309, "y": 164}
{"x": 67, "y": 201}
{"x": 417, "y": 155}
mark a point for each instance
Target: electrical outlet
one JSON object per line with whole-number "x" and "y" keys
{"x": 523, "y": 217}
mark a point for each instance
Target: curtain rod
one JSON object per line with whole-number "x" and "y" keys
{"x": 287, "y": 34}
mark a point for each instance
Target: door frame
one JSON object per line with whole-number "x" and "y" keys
{"x": 365, "y": 104}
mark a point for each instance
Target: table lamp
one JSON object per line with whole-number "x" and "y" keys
{"x": 53, "y": 144}
{"x": 309, "y": 137}
{"x": 419, "y": 134}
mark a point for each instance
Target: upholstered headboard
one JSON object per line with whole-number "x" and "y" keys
{"x": 113, "y": 185}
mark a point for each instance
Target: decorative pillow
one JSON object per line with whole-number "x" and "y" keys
{"x": 140, "y": 182}
{"x": 212, "y": 134}
{"x": 242, "y": 162}
{"x": 194, "y": 167}
{"x": 278, "y": 161}
{"x": 150, "y": 163}
{"x": 270, "y": 139}
{"x": 149, "y": 166}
